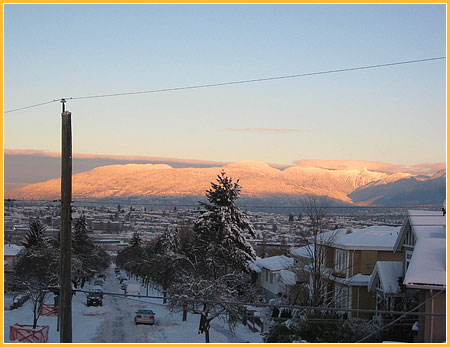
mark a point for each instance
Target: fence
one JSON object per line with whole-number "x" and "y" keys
{"x": 49, "y": 310}
{"x": 25, "y": 333}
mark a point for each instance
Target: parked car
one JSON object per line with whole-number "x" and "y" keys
{"x": 144, "y": 317}
{"x": 95, "y": 297}
{"x": 98, "y": 282}
{"x": 102, "y": 275}
{"x": 133, "y": 289}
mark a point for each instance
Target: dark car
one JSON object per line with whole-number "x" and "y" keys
{"x": 95, "y": 298}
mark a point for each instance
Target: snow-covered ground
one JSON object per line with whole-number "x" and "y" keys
{"x": 113, "y": 322}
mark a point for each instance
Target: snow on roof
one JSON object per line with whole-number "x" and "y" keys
{"x": 288, "y": 277}
{"x": 427, "y": 223}
{"x": 424, "y": 224}
{"x": 427, "y": 267}
{"x": 303, "y": 252}
{"x": 388, "y": 272}
{"x": 276, "y": 263}
{"x": 252, "y": 266}
{"x": 380, "y": 238}
{"x": 356, "y": 280}
{"x": 11, "y": 249}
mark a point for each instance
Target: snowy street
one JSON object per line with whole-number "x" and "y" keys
{"x": 114, "y": 321}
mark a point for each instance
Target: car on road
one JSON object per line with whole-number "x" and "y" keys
{"x": 144, "y": 317}
{"x": 124, "y": 285}
{"x": 95, "y": 297}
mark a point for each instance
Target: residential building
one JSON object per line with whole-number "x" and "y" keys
{"x": 422, "y": 241}
{"x": 385, "y": 282}
{"x": 347, "y": 259}
{"x": 274, "y": 275}
{"x": 10, "y": 252}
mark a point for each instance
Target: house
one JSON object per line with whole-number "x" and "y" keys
{"x": 10, "y": 252}
{"x": 346, "y": 259}
{"x": 385, "y": 283}
{"x": 422, "y": 241}
{"x": 274, "y": 275}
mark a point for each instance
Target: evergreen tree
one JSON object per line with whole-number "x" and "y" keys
{"x": 136, "y": 240}
{"x": 132, "y": 257}
{"x": 81, "y": 243}
{"x": 219, "y": 230}
{"x": 37, "y": 267}
{"x": 213, "y": 264}
{"x": 87, "y": 258}
{"x": 35, "y": 235}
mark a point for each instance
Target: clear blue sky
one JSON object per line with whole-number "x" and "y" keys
{"x": 394, "y": 114}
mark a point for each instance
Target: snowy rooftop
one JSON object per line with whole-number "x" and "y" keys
{"x": 11, "y": 249}
{"x": 276, "y": 263}
{"x": 288, "y": 277}
{"x": 356, "y": 280}
{"x": 425, "y": 224}
{"x": 427, "y": 267}
{"x": 374, "y": 238}
{"x": 303, "y": 252}
{"x": 388, "y": 272}
{"x": 252, "y": 266}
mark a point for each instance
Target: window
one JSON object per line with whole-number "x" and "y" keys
{"x": 271, "y": 278}
{"x": 378, "y": 283}
{"x": 267, "y": 275}
{"x": 408, "y": 256}
{"x": 341, "y": 260}
{"x": 410, "y": 239}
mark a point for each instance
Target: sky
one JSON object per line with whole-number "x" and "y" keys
{"x": 395, "y": 114}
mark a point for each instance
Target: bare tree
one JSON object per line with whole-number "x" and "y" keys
{"x": 312, "y": 272}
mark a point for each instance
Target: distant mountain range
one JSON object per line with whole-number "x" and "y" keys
{"x": 407, "y": 191}
{"x": 258, "y": 179}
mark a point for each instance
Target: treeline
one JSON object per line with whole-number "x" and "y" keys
{"x": 38, "y": 264}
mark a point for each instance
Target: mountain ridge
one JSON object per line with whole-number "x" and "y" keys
{"x": 257, "y": 179}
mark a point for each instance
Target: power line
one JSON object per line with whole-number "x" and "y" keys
{"x": 220, "y": 84}
{"x": 258, "y": 79}
{"x": 31, "y": 106}
{"x": 402, "y": 314}
{"x": 278, "y": 305}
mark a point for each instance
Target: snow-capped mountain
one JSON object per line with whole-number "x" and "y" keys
{"x": 257, "y": 179}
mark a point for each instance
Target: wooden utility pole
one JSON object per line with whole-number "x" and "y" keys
{"x": 65, "y": 335}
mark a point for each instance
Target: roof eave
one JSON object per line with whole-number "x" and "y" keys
{"x": 425, "y": 286}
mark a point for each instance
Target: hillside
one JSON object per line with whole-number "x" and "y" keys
{"x": 258, "y": 179}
